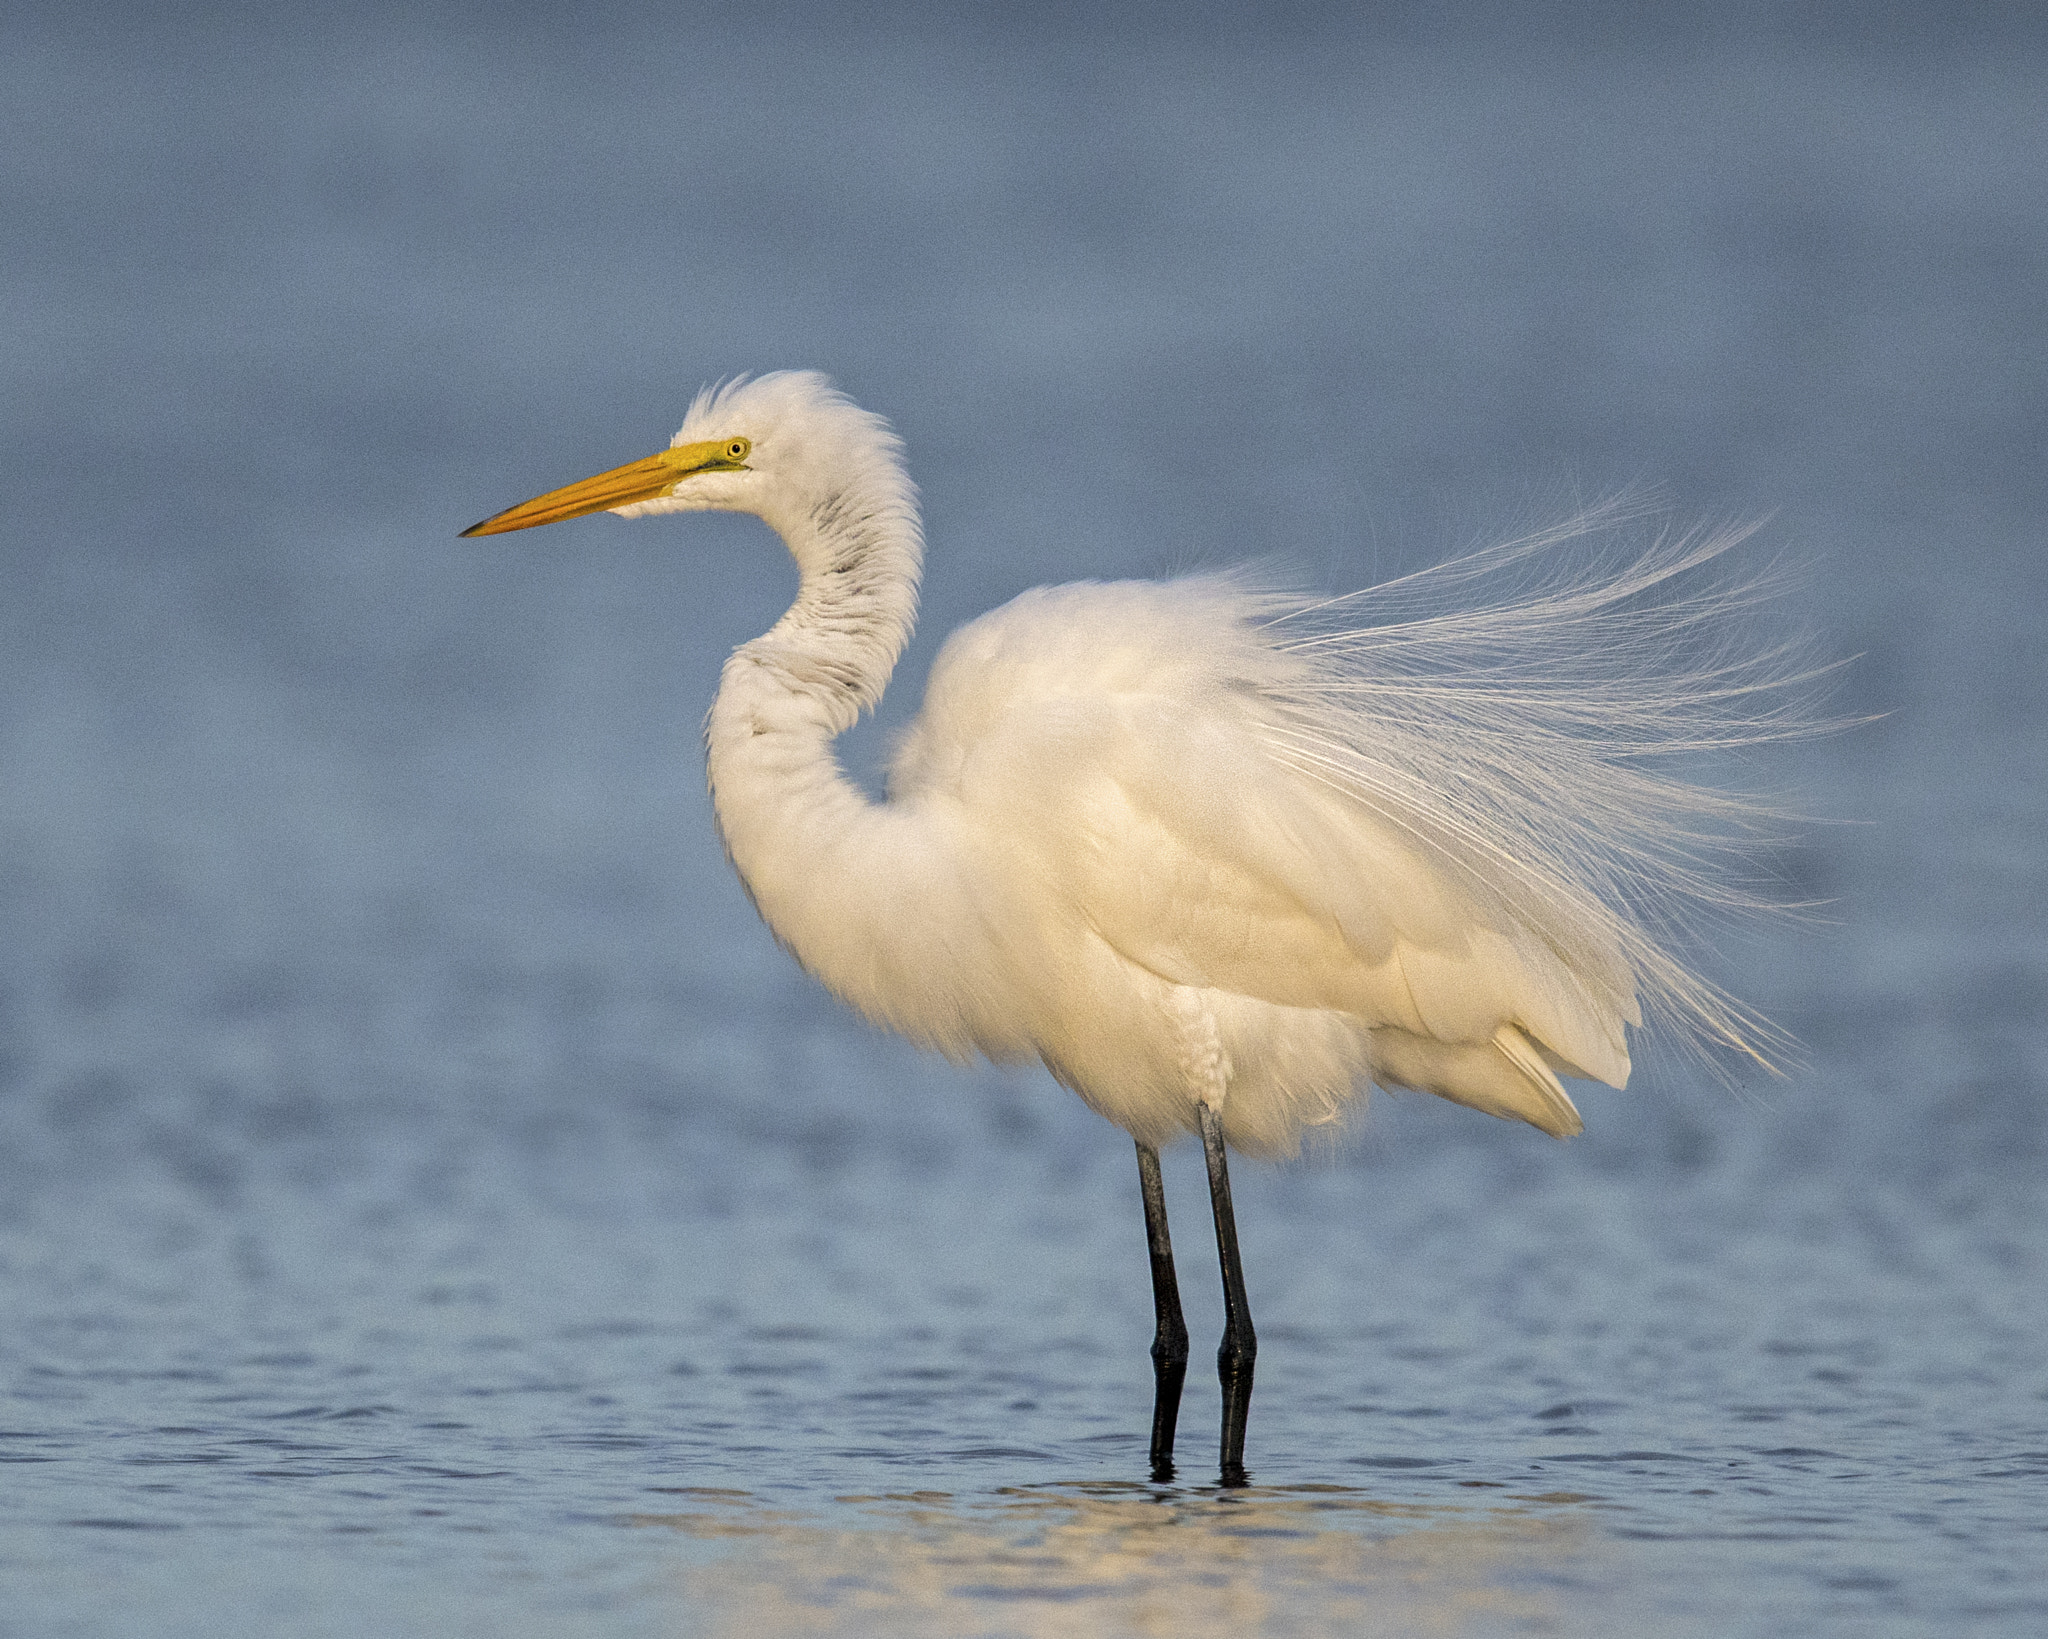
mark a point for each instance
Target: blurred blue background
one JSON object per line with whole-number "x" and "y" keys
{"x": 407, "y": 1130}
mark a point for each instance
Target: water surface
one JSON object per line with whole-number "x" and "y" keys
{"x": 429, "y": 1203}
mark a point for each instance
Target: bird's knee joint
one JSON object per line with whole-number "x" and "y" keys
{"x": 1238, "y": 1351}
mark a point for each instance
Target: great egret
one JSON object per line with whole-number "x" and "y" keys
{"x": 1221, "y": 856}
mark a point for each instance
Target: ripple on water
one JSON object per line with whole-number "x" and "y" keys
{"x": 1096, "y": 1557}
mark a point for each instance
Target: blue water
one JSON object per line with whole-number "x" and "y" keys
{"x": 429, "y": 1203}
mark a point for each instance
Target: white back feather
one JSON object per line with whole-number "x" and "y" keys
{"x": 1524, "y": 711}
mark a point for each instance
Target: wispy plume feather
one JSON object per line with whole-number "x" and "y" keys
{"x": 1534, "y": 713}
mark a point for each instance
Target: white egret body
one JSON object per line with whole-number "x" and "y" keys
{"x": 1216, "y": 860}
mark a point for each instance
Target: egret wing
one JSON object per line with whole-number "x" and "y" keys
{"x": 1108, "y": 739}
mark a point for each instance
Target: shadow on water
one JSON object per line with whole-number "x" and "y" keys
{"x": 1111, "y": 1558}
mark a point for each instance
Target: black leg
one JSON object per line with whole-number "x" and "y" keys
{"x": 1170, "y": 1340}
{"x": 1240, "y": 1350}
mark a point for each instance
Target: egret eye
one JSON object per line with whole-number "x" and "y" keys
{"x": 737, "y": 449}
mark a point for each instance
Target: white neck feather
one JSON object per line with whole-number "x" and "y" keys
{"x": 858, "y": 556}
{"x": 816, "y": 853}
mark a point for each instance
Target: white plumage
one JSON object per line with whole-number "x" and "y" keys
{"x": 1203, "y": 843}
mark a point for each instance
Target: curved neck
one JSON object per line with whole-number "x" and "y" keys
{"x": 858, "y": 558}
{"x": 817, "y": 855}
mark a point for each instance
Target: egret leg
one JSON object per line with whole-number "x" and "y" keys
{"x": 1240, "y": 1348}
{"x": 1170, "y": 1339}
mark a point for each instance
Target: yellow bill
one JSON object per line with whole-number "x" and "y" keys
{"x": 646, "y": 480}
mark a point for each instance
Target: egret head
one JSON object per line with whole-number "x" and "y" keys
{"x": 786, "y": 447}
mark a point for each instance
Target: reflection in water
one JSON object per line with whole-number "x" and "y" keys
{"x": 1117, "y": 1558}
